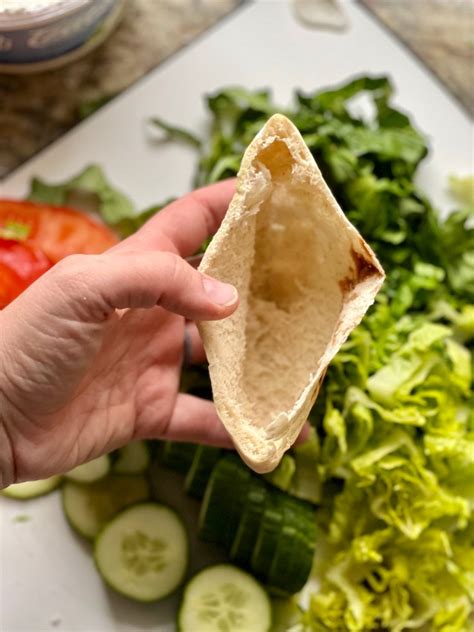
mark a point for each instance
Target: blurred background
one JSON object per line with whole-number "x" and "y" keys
{"x": 38, "y": 107}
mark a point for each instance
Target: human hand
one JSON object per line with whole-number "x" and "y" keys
{"x": 91, "y": 353}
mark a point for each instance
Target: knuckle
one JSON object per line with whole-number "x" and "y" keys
{"x": 172, "y": 267}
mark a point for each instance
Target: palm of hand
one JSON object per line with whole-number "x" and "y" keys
{"x": 127, "y": 391}
{"x": 90, "y": 354}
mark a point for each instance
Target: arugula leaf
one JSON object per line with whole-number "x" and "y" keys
{"x": 177, "y": 134}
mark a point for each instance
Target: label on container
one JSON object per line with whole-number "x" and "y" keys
{"x": 55, "y": 37}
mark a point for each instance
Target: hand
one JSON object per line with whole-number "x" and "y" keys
{"x": 91, "y": 353}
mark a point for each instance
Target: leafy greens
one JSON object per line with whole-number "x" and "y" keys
{"x": 391, "y": 460}
{"x": 90, "y": 191}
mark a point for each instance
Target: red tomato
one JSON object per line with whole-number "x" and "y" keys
{"x": 56, "y": 230}
{"x": 20, "y": 265}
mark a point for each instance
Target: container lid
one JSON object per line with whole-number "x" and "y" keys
{"x": 37, "y": 13}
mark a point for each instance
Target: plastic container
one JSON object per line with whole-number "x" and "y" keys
{"x": 38, "y": 35}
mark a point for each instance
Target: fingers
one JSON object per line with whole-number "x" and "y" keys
{"x": 185, "y": 224}
{"x": 196, "y": 420}
{"x": 195, "y": 349}
{"x": 104, "y": 283}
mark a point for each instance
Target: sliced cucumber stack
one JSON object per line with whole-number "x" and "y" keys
{"x": 205, "y": 458}
{"x": 224, "y": 598}
{"x": 292, "y": 559}
{"x": 89, "y": 507}
{"x": 143, "y": 552}
{"x": 91, "y": 471}
{"x": 265, "y": 530}
{"x": 267, "y": 538}
{"x": 32, "y": 489}
{"x": 249, "y": 525}
{"x": 222, "y": 502}
{"x": 133, "y": 458}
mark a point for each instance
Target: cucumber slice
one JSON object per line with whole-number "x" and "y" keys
{"x": 267, "y": 539}
{"x": 223, "y": 500}
{"x": 291, "y": 564}
{"x": 224, "y": 598}
{"x": 198, "y": 475}
{"x": 241, "y": 484}
{"x": 247, "y": 531}
{"x": 178, "y": 456}
{"x": 32, "y": 489}
{"x": 133, "y": 458}
{"x": 293, "y": 559}
{"x": 143, "y": 552}
{"x": 91, "y": 471}
{"x": 89, "y": 507}
{"x": 303, "y": 517}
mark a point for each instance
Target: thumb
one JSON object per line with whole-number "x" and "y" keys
{"x": 145, "y": 279}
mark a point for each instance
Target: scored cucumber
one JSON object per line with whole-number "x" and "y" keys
{"x": 293, "y": 558}
{"x": 199, "y": 473}
{"x": 267, "y": 538}
{"x": 224, "y": 598}
{"x": 142, "y": 553}
{"x": 223, "y": 498}
{"x": 247, "y": 531}
{"x": 89, "y": 507}
{"x": 291, "y": 564}
{"x": 133, "y": 458}
{"x": 91, "y": 471}
{"x": 32, "y": 489}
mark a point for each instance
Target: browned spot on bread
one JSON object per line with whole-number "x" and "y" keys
{"x": 362, "y": 270}
{"x": 347, "y": 285}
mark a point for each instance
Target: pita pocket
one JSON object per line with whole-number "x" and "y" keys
{"x": 305, "y": 278}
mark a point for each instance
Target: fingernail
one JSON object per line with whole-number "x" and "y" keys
{"x": 220, "y": 293}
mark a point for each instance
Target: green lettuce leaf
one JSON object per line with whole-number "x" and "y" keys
{"x": 89, "y": 191}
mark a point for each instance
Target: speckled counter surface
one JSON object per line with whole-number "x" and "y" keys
{"x": 440, "y": 33}
{"x": 37, "y": 109}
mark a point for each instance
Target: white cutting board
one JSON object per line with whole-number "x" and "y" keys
{"x": 47, "y": 577}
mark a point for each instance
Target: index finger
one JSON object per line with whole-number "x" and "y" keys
{"x": 185, "y": 224}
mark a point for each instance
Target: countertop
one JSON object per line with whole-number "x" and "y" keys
{"x": 37, "y": 109}
{"x": 440, "y": 33}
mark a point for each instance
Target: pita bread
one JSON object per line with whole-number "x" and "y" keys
{"x": 305, "y": 278}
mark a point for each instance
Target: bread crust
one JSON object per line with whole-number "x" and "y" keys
{"x": 305, "y": 278}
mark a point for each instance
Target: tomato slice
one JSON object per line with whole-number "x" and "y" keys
{"x": 20, "y": 265}
{"x": 58, "y": 231}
